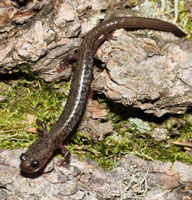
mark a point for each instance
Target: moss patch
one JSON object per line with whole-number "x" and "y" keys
{"x": 132, "y": 136}
{"x": 26, "y": 100}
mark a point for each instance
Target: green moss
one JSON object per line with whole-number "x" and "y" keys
{"x": 25, "y": 98}
{"x": 129, "y": 138}
{"x": 132, "y": 136}
{"x": 185, "y": 18}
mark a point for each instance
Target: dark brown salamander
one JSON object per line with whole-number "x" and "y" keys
{"x": 38, "y": 153}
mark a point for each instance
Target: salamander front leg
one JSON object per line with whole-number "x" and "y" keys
{"x": 66, "y": 155}
{"x": 67, "y": 60}
{"x": 43, "y": 130}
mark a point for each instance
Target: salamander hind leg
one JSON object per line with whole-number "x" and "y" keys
{"x": 66, "y": 155}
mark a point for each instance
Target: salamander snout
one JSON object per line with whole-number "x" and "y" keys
{"x": 29, "y": 165}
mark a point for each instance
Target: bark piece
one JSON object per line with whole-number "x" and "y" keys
{"x": 147, "y": 70}
{"x": 131, "y": 178}
{"x": 37, "y": 41}
{"x": 41, "y": 33}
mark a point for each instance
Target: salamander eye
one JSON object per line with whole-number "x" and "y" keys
{"x": 35, "y": 163}
{"x": 22, "y": 157}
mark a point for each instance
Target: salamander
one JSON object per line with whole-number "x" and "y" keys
{"x": 38, "y": 154}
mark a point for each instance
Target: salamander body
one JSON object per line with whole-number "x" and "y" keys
{"x": 39, "y": 152}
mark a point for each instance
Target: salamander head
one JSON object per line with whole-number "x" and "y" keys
{"x": 35, "y": 158}
{"x": 29, "y": 165}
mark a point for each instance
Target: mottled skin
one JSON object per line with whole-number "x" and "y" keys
{"x": 38, "y": 153}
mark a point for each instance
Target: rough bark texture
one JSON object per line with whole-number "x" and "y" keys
{"x": 133, "y": 178}
{"x": 147, "y": 70}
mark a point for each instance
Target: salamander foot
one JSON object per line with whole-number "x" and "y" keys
{"x": 66, "y": 156}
